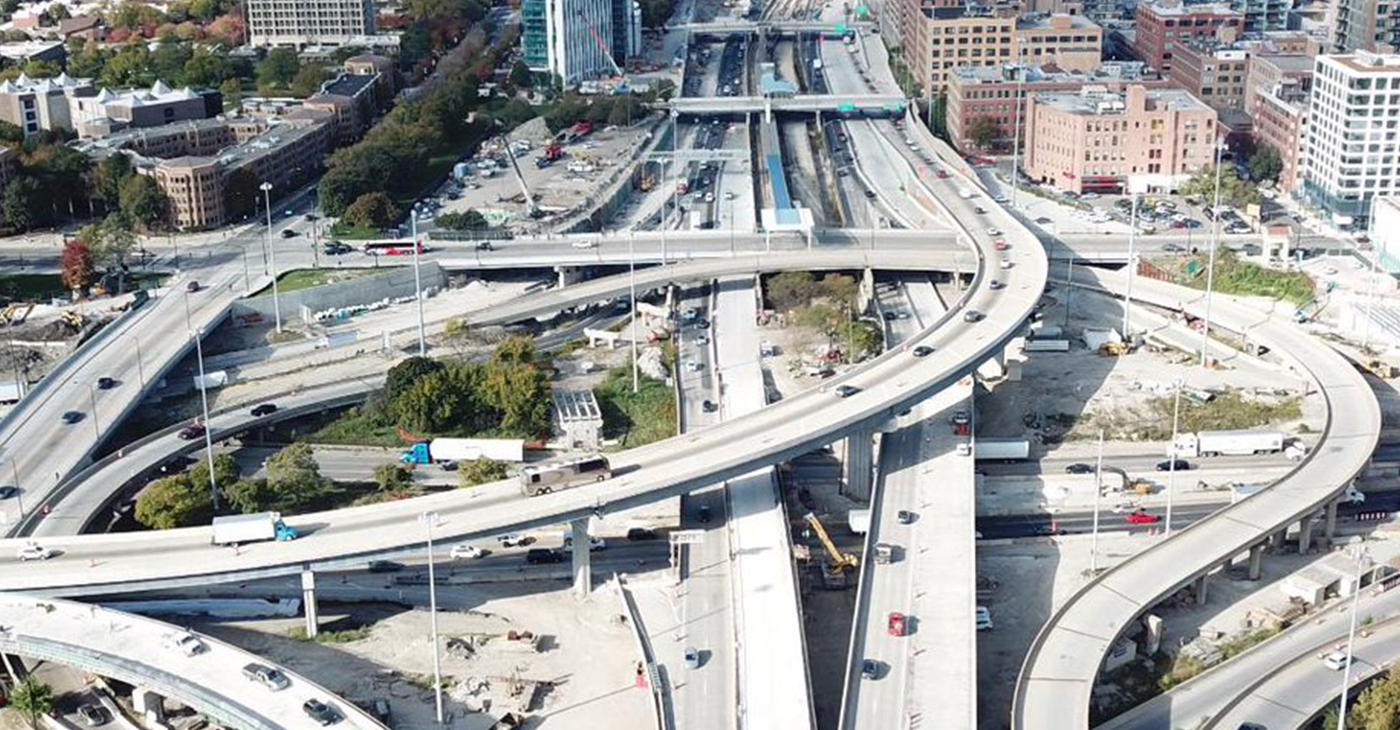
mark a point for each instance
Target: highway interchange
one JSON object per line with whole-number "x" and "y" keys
{"x": 712, "y": 451}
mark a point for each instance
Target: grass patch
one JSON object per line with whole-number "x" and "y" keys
{"x": 345, "y": 636}
{"x": 308, "y": 278}
{"x": 1235, "y": 276}
{"x": 354, "y": 427}
{"x": 1188, "y": 667}
{"x": 1225, "y": 412}
{"x": 636, "y": 419}
{"x": 43, "y": 287}
{"x": 343, "y": 231}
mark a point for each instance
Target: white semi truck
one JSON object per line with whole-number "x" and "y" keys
{"x": 450, "y": 449}
{"x": 239, "y": 529}
{"x": 1228, "y": 443}
{"x": 1002, "y": 449}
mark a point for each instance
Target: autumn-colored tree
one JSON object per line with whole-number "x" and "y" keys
{"x": 76, "y": 265}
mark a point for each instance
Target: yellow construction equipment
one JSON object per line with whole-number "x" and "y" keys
{"x": 839, "y": 562}
{"x": 1379, "y": 368}
{"x": 1113, "y": 349}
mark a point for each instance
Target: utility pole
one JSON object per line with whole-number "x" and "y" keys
{"x": 418, "y": 283}
{"x": 272, "y": 253}
{"x": 429, "y": 519}
{"x": 1360, "y": 555}
{"x": 632, "y": 296}
{"x": 1171, "y": 472}
{"x": 1132, "y": 267}
{"x": 208, "y": 437}
{"x": 1098, "y": 492}
{"x": 1016, "y": 138}
{"x": 1210, "y": 269}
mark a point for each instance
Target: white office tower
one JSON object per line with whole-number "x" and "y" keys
{"x": 301, "y": 23}
{"x": 1351, "y": 153}
{"x": 580, "y": 38}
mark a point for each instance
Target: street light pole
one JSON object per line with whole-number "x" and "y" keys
{"x": 1098, "y": 491}
{"x": 1210, "y": 268}
{"x": 204, "y": 402}
{"x": 272, "y": 252}
{"x": 1132, "y": 266}
{"x": 92, "y": 398}
{"x": 1171, "y": 472}
{"x": 428, "y": 519}
{"x": 1016, "y": 137}
{"x": 632, "y": 296}
{"x": 19, "y": 493}
{"x": 140, "y": 369}
{"x": 1360, "y": 554}
{"x": 1375, "y": 264}
{"x": 418, "y": 283}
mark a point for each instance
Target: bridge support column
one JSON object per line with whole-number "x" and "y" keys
{"x": 1305, "y": 526}
{"x": 568, "y": 275}
{"x": 860, "y": 464}
{"x": 149, "y": 706}
{"x": 1329, "y": 525}
{"x": 1256, "y": 561}
{"x": 1280, "y": 540}
{"x": 308, "y": 603}
{"x": 583, "y": 568}
{"x": 1199, "y": 589}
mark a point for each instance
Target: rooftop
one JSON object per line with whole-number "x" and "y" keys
{"x": 159, "y": 93}
{"x": 347, "y": 85}
{"x": 1177, "y": 10}
{"x": 1057, "y": 21}
{"x": 1097, "y": 101}
{"x": 1108, "y": 71}
{"x": 1364, "y": 62}
{"x": 26, "y": 85}
{"x": 21, "y": 50}
{"x": 577, "y": 405}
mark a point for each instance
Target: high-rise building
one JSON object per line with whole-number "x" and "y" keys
{"x": 1363, "y": 25}
{"x": 302, "y": 23}
{"x": 577, "y": 40}
{"x": 1263, "y": 15}
{"x": 1350, "y": 146}
{"x": 1214, "y": 72}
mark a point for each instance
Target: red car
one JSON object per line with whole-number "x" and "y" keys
{"x": 191, "y": 432}
{"x": 941, "y": 173}
{"x": 1143, "y": 518}
{"x": 896, "y": 624}
{"x": 980, "y": 161}
{"x": 1001, "y": 245}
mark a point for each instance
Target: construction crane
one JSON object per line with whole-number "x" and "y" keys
{"x": 607, "y": 52}
{"x": 530, "y": 208}
{"x": 838, "y": 563}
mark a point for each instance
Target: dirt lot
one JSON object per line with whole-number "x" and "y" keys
{"x": 585, "y": 653}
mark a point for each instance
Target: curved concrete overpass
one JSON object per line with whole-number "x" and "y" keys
{"x": 107, "y": 563}
{"x": 1057, "y": 678}
{"x": 137, "y": 651}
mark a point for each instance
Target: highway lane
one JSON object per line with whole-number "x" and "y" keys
{"x": 1058, "y": 675}
{"x": 139, "y": 651}
{"x": 1249, "y": 686}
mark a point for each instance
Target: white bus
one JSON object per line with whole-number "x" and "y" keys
{"x": 559, "y": 474}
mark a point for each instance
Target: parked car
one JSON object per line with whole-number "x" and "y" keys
{"x": 905, "y": 517}
{"x": 321, "y": 712}
{"x": 895, "y": 624}
{"x": 692, "y": 658}
{"x": 984, "y": 619}
{"x": 269, "y": 677}
{"x": 264, "y": 409}
{"x": 870, "y": 669}
{"x": 1180, "y": 465}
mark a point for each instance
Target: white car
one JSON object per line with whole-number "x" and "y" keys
{"x": 511, "y": 539}
{"x": 1005, "y": 263}
{"x": 35, "y": 551}
{"x": 466, "y": 551}
{"x": 709, "y": 197}
{"x": 984, "y": 619}
{"x": 188, "y": 644}
{"x": 694, "y": 367}
{"x": 1124, "y": 508}
{"x": 584, "y": 244}
{"x": 993, "y": 232}
{"x": 594, "y": 542}
{"x": 1335, "y": 661}
{"x": 702, "y": 340}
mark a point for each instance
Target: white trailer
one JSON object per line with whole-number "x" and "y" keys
{"x": 1046, "y": 346}
{"x": 1228, "y": 443}
{"x": 216, "y": 379}
{"x": 239, "y": 529}
{"x": 1002, "y": 449}
{"x": 858, "y": 520}
{"x": 450, "y": 449}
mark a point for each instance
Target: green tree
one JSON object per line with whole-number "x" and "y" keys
{"x": 279, "y": 68}
{"x": 520, "y": 393}
{"x": 791, "y": 289}
{"x": 142, "y": 201}
{"x": 111, "y": 173}
{"x": 206, "y": 69}
{"x": 1265, "y": 164}
{"x": 174, "y": 501}
{"x": 294, "y": 478}
{"x": 226, "y": 471}
{"x": 391, "y": 476}
{"x": 983, "y": 132}
{"x": 168, "y": 61}
{"x": 308, "y": 81}
{"x": 63, "y": 174}
{"x": 109, "y": 241}
{"x": 404, "y": 374}
{"x": 1376, "y": 708}
{"x": 33, "y": 699}
{"x": 247, "y": 496}
{"x": 471, "y": 220}
{"x": 480, "y": 471}
{"x": 435, "y": 403}
{"x": 241, "y": 193}
{"x": 11, "y": 134}
{"x": 940, "y": 116}
{"x": 520, "y": 75}
{"x": 76, "y": 265}
{"x": 1233, "y": 191}
{"x": 372, "y": 210}
{"x": 20, "y": 203}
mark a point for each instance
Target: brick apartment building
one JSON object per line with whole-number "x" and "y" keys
{"x": 1163, "y": 26}
{"x": 1214, "y": 73}
{"x": 941, "y": 39}
{"x": 1100, "y": 141}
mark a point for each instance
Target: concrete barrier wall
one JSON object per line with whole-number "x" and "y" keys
{"x": 394, "y": 282}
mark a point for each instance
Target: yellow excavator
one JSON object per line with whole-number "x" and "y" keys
{"x": 838, "y": 563}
